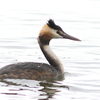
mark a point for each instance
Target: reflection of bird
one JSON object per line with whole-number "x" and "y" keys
{"x": 32, "y": 70}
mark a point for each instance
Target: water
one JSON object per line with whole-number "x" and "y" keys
{"x": 20, "y": 23}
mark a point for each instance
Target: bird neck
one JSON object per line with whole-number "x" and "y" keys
{"x": 50, "y": 56}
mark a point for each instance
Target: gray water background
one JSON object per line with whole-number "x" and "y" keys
{"x": 20, "y": 23}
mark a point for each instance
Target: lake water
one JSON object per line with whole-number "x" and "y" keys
{"x": 20, "y": 23}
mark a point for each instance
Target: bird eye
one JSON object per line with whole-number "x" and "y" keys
{"x": 58, "y": 32}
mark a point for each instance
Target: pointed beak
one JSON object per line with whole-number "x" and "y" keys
{"x": 66, "y": 36}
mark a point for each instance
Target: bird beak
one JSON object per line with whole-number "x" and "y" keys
{"x": 66, "y": 36}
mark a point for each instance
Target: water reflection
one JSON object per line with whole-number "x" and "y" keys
{"x": 50, "y": 89}
{"x": 18, "y": 87}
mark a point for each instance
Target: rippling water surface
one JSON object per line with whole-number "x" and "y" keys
{"x": 20, "y": 23}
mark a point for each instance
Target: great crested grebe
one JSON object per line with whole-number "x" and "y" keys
{"x": 33, "y": 70}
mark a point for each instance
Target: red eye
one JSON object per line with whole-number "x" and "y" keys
{"x": 58, "y": 32}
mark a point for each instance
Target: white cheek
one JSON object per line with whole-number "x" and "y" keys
{"x": 55, "y": 35}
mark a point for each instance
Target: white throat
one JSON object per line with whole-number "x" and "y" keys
{"x": 51, "y": 57}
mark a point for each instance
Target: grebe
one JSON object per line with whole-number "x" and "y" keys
{"x": 36, "y": 71}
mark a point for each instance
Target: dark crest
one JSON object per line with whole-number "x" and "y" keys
{"x": 53, "y": 25}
